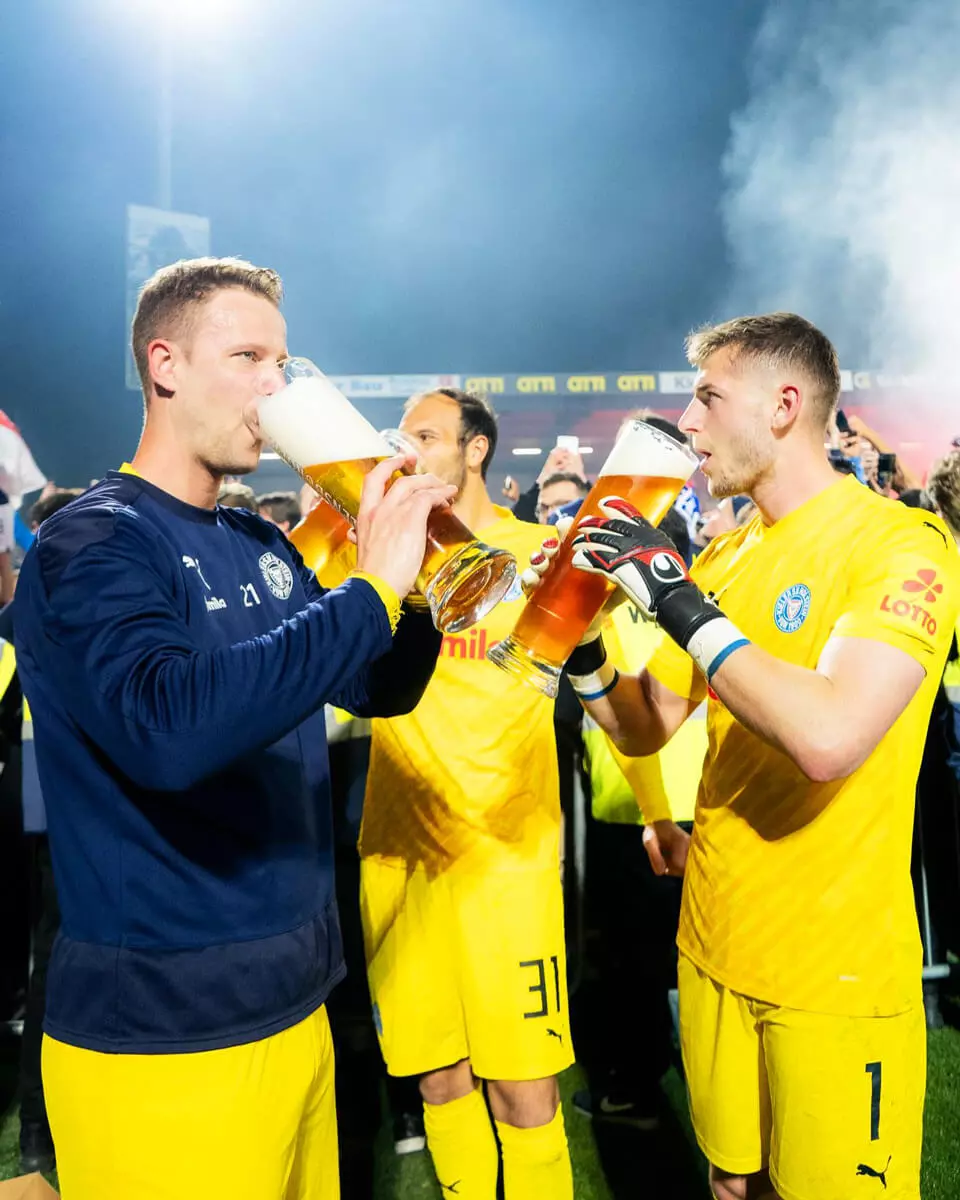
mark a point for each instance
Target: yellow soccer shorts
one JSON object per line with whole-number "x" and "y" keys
{"x": 832, "y": 1106}
{"x": 251, "y": 1122}
{"x": 467, "y": 966}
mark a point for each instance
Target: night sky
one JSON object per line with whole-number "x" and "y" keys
{"x": 459, "y": 186}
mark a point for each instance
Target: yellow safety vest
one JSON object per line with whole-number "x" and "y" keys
{"x": 631, "y": 791}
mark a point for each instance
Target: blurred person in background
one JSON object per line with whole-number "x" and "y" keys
{"x": 943, "y": 488}
{"x": 14, "y": 865}
{"x": 729, "y": 514}
{"x": 820, "y": 632}
{"x": 177, "y": 656}
{"x": 917, "y": 498}
{"x": 8, "y": 540}
{"x": 633, "y": 904}
{"x": 234, "y": 494}
{"x": 36, "y": 1143}
{"x": 903, "y": 477}
{"x": 308, "y": 500}
{"x": 557, "y": 491}
{"x": 281, "y": 509}
{"x": 560, "y": 461}
{"x": 460, "y": 873}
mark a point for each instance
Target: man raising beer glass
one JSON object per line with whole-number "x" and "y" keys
{"x": 819, "y": 632}
{"x": 460, "y": 874}
{"x": 177, "y": 657}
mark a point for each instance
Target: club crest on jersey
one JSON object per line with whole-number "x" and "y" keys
{"x": 277, "y": 575}
{"x": 792, "y": 608}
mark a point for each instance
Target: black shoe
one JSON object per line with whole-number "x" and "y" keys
{"x": 616, "y": 1109}
{"x": 409, "y": 1135}
{"x": 36, "y": 1149}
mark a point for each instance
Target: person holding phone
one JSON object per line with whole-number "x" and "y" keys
{"x": 563, "y": 459}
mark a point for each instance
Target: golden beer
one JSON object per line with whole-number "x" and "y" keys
{"x": 316, "y": 429}
{"x": 646, "y": 468}
{"x": 323, "y": 539}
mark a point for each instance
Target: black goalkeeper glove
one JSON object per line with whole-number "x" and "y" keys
{"x": 624, "y": 547}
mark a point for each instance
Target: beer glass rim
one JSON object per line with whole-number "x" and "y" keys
{"x": 298, "y": 366}
{"x": 637, "y": 425}
{"x": 689, "y": 453}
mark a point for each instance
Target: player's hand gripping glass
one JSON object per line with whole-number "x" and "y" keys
{"x": 316, "y": 429}
{"x": 648, "y": 469}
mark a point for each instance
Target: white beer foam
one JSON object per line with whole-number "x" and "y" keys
{"x": 311, "y": 421}
{"x": 643, "y": 450}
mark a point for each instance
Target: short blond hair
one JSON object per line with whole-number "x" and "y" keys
{"x": 943, "y": 487}
{"x": 169, "y": 299}
{"x": 780, "y": 339}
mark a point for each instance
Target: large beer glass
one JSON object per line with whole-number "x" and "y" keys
{"x": 645, "y": 467}
{"x": 323, "y": 539}
{"x": 315, "y": 428}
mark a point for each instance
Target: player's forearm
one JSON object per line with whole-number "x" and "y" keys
{"x": 6, "y": 578}
{"x": 629, "y": 717}
{"x": 798, "y": 711}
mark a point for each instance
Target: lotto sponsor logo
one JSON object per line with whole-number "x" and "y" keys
{"x": 924, "y": 585}
{"x": 913, "y": 612}
{"x": 926, "y": 582}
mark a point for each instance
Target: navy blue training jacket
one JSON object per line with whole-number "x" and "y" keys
{"x": 176, "y": 660}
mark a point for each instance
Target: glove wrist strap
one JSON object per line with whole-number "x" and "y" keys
{"x": 597, "y": 684}
{"x": 699, "y": 627}
{"x": 712, "y": 644}
{"x": 588, "y": 657}
{"x": 590, "y": 675}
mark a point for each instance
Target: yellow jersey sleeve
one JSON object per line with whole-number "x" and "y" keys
{"x": 906, "y": 594}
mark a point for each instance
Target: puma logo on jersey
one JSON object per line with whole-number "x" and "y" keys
{"x": 194, "y": 563}
{"x": 863, "y": 1169}
{"x": 558, "y": 1036}
{"x": 452, "y": 1188}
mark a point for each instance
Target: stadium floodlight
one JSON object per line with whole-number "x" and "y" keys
{"x": 174, "y": 23}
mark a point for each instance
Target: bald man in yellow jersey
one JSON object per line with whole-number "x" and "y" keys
{"x": 460, "y": 877}
{"x": 819, "y": 632}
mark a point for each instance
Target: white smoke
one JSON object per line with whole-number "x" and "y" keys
{"x": 843, "y": 178}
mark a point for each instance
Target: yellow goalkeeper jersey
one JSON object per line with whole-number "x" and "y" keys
{"x": 469, "y": 778}
{"x": 799, "y": 893}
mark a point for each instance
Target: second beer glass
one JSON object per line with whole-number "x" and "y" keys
{"x": 646, "y": 468}
{"x": 316, "y": 429}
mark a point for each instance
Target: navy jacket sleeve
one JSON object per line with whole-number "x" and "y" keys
{"x": 167, "y": 712}
{"x": 394, "y": 683}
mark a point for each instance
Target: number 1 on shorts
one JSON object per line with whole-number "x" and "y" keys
{"x": 875, "y": 1071}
